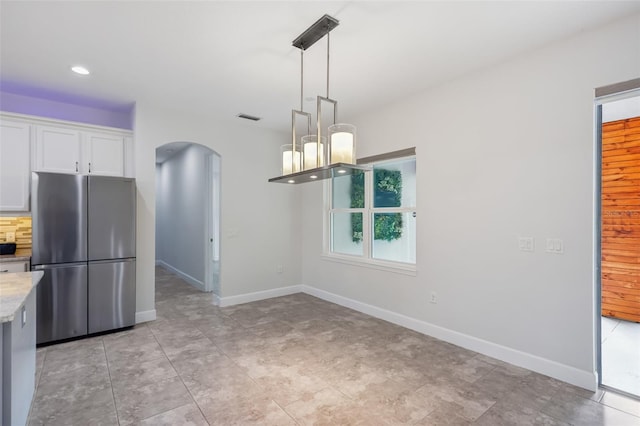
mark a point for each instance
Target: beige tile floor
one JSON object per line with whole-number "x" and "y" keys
{"x": 294, "y": 360}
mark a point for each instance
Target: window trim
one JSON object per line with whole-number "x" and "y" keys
{"x": 366, "y": 260}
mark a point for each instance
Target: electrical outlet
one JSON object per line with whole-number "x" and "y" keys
{"x": 10, "y": 237}
{"x": 279, "y": 269}
{"x": 434, "y": 297}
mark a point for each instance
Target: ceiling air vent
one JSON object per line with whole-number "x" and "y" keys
{"x": 249, "y": 117}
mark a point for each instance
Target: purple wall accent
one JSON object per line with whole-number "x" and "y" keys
{"x": 22, "y": 104}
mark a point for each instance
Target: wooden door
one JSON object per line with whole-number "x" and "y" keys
{"x": 621, "y": 219}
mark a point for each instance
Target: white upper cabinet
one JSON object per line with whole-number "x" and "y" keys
{"x": 103, "y": 154}
{"x": 29, "y": 143}
{"x": 80, "y": 151}
{"x": 14, "y": 166}
{"x": 57, "y": 149}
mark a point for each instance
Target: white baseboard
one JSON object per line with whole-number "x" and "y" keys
{"x": 188, "y": 278}
{"x": 145, "y": 316}
{"x": 216, "y": 299}
{"x": 258, "y": 295}
{"x": 581, "y": 378}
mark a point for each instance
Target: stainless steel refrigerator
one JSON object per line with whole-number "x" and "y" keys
{"x": 84, "y": 240}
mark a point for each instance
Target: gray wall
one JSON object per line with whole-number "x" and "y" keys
{"x": 180, "y": 209}
{"x": 504, "y": 152}
{"x": 248, "y": 202}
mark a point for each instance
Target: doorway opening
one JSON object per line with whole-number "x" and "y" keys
{"x": 188, "y": 213}
{"x": 618, "y": 130}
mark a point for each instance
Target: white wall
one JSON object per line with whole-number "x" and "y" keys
{"x": 64, "y": 109}
{"x": 621, "y": 110}
{"x": 258, "y": 219}
{"x": 501, "y": 153}
{"x": 181, "y": 228}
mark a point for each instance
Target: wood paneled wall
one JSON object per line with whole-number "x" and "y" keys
{"x": 621, "y": 219}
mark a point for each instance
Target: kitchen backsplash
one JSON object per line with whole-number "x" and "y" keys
{"x": 21, "y": 226}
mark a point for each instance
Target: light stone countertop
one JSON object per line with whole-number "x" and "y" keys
{"x": 14, "y": 290}
{"x": 21, "y": 255}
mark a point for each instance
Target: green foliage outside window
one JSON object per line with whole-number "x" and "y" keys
{"x": 387, "y": 193}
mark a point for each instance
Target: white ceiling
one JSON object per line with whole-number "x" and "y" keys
{"x": 222, "y": 58}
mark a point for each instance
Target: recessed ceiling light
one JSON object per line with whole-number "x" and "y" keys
{"x": 342, "y": 171}
{"x": 313, "y": 177}
{"x": 79, "y": 69}
{"x": 291, "y": 181}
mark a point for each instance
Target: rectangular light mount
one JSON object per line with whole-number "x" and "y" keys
{"x": 315, "y": 32}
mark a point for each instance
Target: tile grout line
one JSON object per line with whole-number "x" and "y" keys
{"x": 181, "y": 381}
{"x": 252, "y": 379}
{"x": 286, "y": 412}
{"x": 37, "y": 384}
{"x": 113, "y": 394}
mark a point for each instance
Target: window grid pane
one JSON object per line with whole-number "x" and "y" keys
{"x": 394, "y": 184}
{"x": 347, "y": 233}
{"x": 394, "y": 237}
{"x": 372, "y": 215}
{"x": 348, "y": 191}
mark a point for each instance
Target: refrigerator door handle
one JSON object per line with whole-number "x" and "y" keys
{"x": 56, "y": 266}
{"x": 115, "y": 260}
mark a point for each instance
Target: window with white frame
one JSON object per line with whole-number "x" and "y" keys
{"x": 371, "y": 216}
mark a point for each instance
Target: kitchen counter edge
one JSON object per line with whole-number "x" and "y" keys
{"x": 21, "y": 255}
{"x": 14, "y": 289}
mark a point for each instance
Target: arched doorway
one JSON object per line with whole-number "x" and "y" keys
{"x": 188, "y": 213}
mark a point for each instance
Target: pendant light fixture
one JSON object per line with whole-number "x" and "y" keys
{"x": 332, "y": 150}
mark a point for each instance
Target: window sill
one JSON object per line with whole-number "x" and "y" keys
{"x": 395, "y": 267}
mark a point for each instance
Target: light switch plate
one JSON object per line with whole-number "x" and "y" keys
{"x": 554, "y": 245}
{"x": 10, "y": 237}
{"x": 526, "y": 243}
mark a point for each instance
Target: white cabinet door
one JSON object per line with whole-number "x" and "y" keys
{"x": 14, "y": 166}
{"x": 57, "y": 150}
{"x": 103, "y": 154}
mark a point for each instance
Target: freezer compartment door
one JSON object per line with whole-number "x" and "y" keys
{"x": 61, "y": 302}
{"x": 112, "y": 295}
{"x": 112, "y": 218}
{"x": 59, "y": 218}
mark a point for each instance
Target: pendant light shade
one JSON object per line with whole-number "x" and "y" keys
{"x": 342, "y": 143}
{"x": 291, "y": 159}
{"x": 313, "y": 158}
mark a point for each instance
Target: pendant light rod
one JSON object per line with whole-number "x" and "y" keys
{"x": 301, "y": 79}
{"x": 328, "y": 50}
